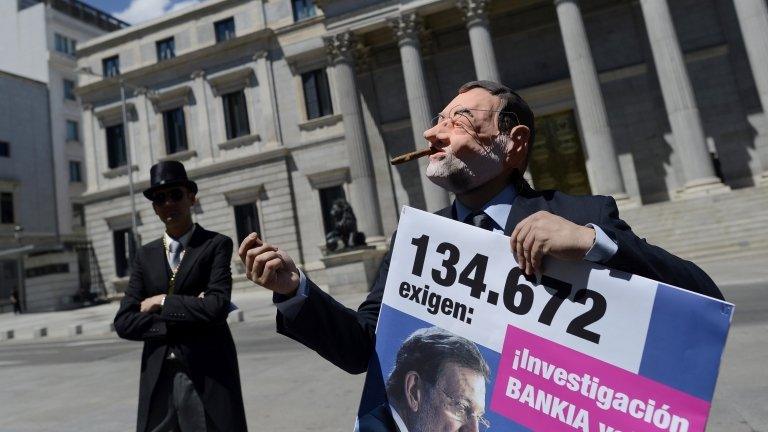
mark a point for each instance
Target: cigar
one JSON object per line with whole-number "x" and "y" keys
{"x": 413, "y": 155}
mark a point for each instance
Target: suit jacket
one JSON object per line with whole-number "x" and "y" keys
{"x": 378, "y": 420}
{"x": 346, "y": 337}
{"x": 195, "y": 329}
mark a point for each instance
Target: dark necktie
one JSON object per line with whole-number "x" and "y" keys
{"x": 480, "y": 220}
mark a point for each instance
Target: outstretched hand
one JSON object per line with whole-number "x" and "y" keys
{"x": 268, "y": 266}
{"x": 543, "y": 233}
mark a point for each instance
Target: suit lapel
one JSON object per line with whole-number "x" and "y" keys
{"x": 197, "y": 244}
{"x": 159, "y": 272}
{"x": 526, "y": 203}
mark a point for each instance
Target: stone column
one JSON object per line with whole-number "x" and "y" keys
{"x": 92, "y": 171}
{"x": 604, "y": 170}
{"x": 269, "y": 121}
{"x": 753, "y": 19}
{"x": 687, "y": 130}
{"x": 364, "y": 199}
{"x": 203, "y": 116}
{"x": 406, "y": 29}
{"x": 476, "y": 16}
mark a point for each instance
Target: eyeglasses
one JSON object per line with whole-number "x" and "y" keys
{"x": 175, "y": 195}
{"x": 463, "y": 413}
{"x": 461, "y": 117}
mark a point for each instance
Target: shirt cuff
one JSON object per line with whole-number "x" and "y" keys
{"x": 290, "y": 307}
{"x": 604, "y": 247}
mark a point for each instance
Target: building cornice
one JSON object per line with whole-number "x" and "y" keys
{"x": 120, "y": 37}
{"x": 197, "y": 173}
{"x": 262, "y": 39}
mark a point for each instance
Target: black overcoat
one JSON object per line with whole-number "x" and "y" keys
{"x": 195, "y": 328}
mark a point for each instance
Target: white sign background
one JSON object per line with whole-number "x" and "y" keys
{"x": 622, "y": 328}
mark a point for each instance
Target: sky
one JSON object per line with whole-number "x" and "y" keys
{"x": 138, "y": 11}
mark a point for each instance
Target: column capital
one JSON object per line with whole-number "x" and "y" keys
{"x": 86, "y": 106}
{"x": 340, "y": 48}
{"x": 260, "y": 55}
{"x": 197, "y": 74}
{"x": 559, "y": 2}
{"x": 407, "y": 27}
{"x": 475, "y": 11}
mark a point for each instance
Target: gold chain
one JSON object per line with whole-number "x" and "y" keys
{"x": 172, "y": 281}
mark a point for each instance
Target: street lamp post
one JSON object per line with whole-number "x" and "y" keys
{"x": 129, "y": 157}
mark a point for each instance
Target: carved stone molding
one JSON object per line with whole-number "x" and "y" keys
{"x": 475, "y": 11}
{"x": 406, "y": 27}
{"x": 340, "y": 47}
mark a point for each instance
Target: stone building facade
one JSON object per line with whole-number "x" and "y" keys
{"x": 277, "y": 107}
{"x": 43, "y": 252}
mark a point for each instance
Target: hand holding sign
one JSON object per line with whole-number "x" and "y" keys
{"x": 543, "y": 233}
{"x": 268, "y": 266}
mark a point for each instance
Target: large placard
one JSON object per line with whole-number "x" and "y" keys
{"x": 580, "y": 347}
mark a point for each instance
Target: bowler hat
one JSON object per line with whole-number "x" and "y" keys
{"x": 167, "y": 174}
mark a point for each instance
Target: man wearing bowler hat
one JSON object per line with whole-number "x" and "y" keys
{"x": 177, "y": 303}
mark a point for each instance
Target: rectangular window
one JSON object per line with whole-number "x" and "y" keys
{"x": 246, "y": 221}
{"x": 236, "y": 114}
{"x": 6, "y": 208}
{"x": 78, "y": 215}
{"x": 124, "y": 251}
{"x": 317, "y": 94}
{"x": 327, "y": 197}
{"x": 69, "y": 89}
{"x": 73, "y": 131}
{"x": 303, "y": 9}
{"x": 75, "y": 174}
{"x": 65, "y": 45}
{"x": 166, "y": 49}
{"x": 225, "y": 29}
{"x": 5, "y": 149}
{"x": 116, "y": 154}
{"x": 175, "y": 130}
{"x": 111, "y": 66}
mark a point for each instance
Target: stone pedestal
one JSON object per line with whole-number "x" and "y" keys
{"x": 353, "y": 270}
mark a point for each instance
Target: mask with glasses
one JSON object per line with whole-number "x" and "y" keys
{"x": 175, "y": 195}
{"x": 462, "y": 412}
{"x": 463, "y": 118}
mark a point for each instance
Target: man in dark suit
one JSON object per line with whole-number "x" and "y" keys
{"x": 481, "y": 141}
{"x": 177, "y": 303}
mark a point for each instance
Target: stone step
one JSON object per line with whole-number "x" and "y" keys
{"x": 747, "y": 236}
{"x": 727, "y": 211}
{"x": 753, "y": 198}
{"x": 725, "y": 253}
{"x": 747, "y": 228}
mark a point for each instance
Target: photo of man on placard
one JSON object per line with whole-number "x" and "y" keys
{"x": 438, "y": 383}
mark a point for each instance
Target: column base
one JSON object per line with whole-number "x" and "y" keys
{"x": 352, "y": 271}
{"x": 763, "y": 179}
{"x": 625, "y": 202}
{"x": 701, "y": 188}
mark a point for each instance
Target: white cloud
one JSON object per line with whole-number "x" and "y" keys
{"x": 139, "y": 11}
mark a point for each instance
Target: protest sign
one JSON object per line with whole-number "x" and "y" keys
{"x": 580, "y": 347}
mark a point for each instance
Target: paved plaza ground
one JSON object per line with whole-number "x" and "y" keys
{"x": 89, "y": 383}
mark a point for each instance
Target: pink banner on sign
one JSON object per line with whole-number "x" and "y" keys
{"x": 548, "y": 387}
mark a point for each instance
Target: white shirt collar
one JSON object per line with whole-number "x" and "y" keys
{"x": 497, "y": 208}
{"x": 184, "y": 239}
{"x": 398, "y": 420}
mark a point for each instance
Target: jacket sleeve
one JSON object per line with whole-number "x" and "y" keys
{"x": 343, "y": 336}
{"x": 636, "y": 255}
{"x": 214, "y": 307}
{"x": 130, "y": 323}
